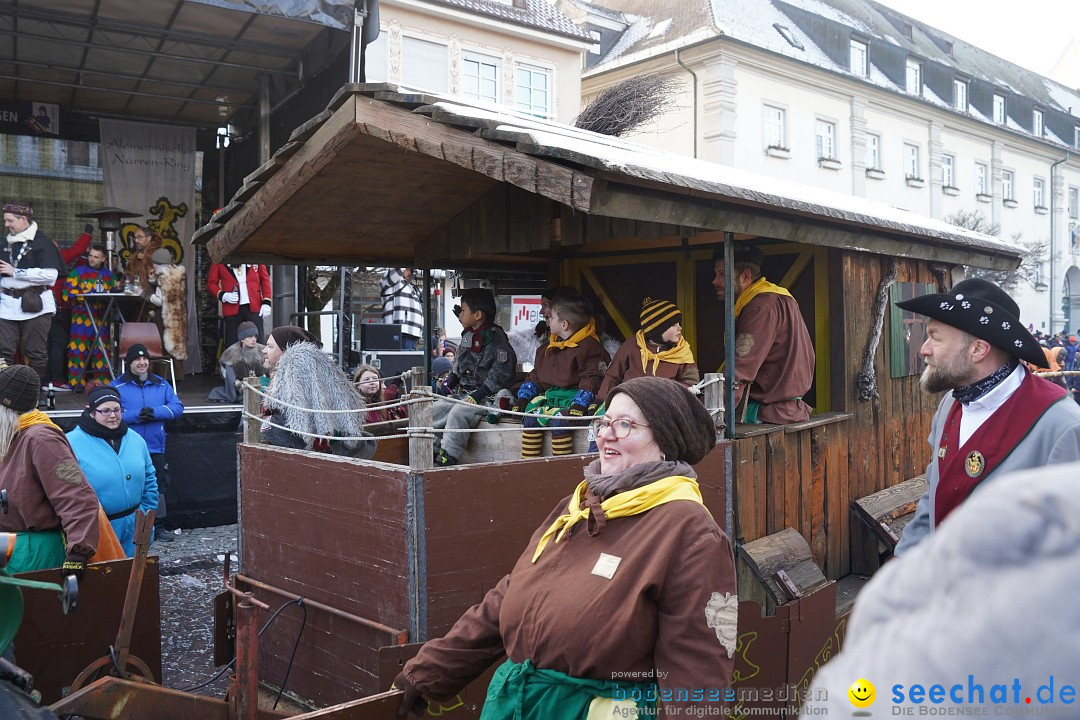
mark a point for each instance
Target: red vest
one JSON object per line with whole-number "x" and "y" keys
{"x": 961, "y": 469}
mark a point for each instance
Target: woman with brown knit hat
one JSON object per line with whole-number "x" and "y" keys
{"x": 626, "y": 590}
{"x": 658, "y": 349}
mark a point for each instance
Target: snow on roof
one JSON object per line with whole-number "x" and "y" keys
{"x": 621, "y": 156}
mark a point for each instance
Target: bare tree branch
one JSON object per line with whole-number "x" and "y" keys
{"x": 1035, "y": 254}
{"x": 629, "y": 105}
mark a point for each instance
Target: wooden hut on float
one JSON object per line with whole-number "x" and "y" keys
{"x": 396, "y": 550}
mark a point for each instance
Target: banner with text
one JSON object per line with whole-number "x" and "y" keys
{"x": 150, "y": 169}
{"x": 26, "y": 117}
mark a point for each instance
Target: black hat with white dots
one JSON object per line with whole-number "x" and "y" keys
{"x": 981, "y": 308}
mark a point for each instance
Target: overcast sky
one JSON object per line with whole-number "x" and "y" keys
{"x": 1032, "y": 33}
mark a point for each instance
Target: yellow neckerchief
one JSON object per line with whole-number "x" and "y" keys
{"x": 631, "y": 502}
{"x": 681, "y": 354}
{"x": 34, "y": 417}
{"x": 586, "y": 332}
{"x": 761, "y": 286}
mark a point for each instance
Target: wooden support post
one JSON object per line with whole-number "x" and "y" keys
{"x": 419, "y": 377}
{"x": 252, "y": 406}
{"x": 714, "y": 398}
{"x": 421, "y": 442}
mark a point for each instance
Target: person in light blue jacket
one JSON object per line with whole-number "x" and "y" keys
{"x": 116, "y": 462}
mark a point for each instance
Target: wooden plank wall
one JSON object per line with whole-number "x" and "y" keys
{"x": 805, "y": 476}
{"x": 334, "y": 531}
{"x": 797, "y": 476}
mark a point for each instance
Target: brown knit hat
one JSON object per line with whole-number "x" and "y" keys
{"x": 19, "y": 388}
{"x": 658, "y": 315}
{"x": 287, "y": 335}
{"x": 680, "y": 423}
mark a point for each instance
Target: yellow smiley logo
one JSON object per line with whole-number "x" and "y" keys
{"x": 862, "y": 693}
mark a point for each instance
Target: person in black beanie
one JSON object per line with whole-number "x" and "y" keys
{"x": 149, "y": 402}
{"x": 116, "y": 462}
{"x": 629, "y": 577}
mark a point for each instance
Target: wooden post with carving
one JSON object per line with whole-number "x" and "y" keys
{"x": 714, "y": 398}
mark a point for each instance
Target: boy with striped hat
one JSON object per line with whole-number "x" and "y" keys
{"x": 658, "y": 349}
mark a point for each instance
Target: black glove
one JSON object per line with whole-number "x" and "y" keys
{"x": 519, "y": 405}
{"x": 74, "y": 564}
{"x": 411, "y": 701}
{"x": 477, "y": 396}
{"x": 577, "y": 411}
{"x": 457, "y": 310}
{"x": 88, "y": 229}
{"x": 146, "y": 414}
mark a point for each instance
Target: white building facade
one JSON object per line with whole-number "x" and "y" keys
{"x": 850, "y": 96}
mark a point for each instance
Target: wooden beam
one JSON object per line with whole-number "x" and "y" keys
{"x": 626, "y": 201}
{"x": 308, "y": 160}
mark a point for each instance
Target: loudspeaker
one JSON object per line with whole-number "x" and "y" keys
{"x": 380, "y": 336}
{"x": 392, "y": 362}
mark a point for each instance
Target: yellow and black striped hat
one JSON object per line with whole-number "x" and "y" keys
{"x": 658, "y": 314}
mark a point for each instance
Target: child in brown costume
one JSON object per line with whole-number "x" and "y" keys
{"x": 566, "y": 374}
{"x": 657, "y": 349}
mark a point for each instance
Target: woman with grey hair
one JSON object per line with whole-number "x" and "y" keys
{"x": 303, "y": 381}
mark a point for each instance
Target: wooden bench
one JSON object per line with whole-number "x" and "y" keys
{"x": 777, "y": 569}
{"x": 882, "y": 517}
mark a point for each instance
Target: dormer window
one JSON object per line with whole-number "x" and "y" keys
{"x": 908, "y": 31}
{"x": 913, "y": 83}
{"x": 960, "y": 95}
{"x": 858, "y": 63}
{"x": 1037, "y": 127}
{"x": 999, "y": 109}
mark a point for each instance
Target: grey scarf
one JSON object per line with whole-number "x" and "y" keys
{"x": 605, "y": 486}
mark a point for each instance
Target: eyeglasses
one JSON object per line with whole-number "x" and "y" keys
{"x": 621, "y": 427}
{"x": 140, "y": 237}
{"x": 115, "y": 411}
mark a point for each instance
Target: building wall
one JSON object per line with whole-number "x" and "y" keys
{"x": 508, "y": 49}
{"x": 736, "y": 81}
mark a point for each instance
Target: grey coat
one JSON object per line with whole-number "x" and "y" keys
{"x": 493, "y": 369}
{"x": 1054, "y": 439}
{"x": 991, "y": 595}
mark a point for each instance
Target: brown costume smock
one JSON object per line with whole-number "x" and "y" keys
{"x": 648, "y": 621}
{"x": 47, "y": 490}
{"x": 579, "y": 367}
{"x": 626, "y": 365}
{"x": 773, "y": 350}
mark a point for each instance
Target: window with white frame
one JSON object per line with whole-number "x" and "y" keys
{"x": 858, "y": 58}
{"x": 773, "y": 127}
{"x": 948, "y": 170}
{"x": 913, "y": 82}
{"x": 375, "y": 63}
{"x": 424, "y": 65}
{"x": 960, "y": 95}
{"x": 999, "y": 109}
{"x": 826, "y": 140}
{"x": 911, "y": 162}
{"x": 480, "y": 77}
{"x": 1038, "y": 188}
{"x": 1076, "y": 137}
{"x": 533, "y": 86}
{"x": 1037, "y": 123}
{"x": 981, "y": 175}
{"x": 1007, "y": 185}
{"x": 1074, "y": 203}
{"x": 873, "y": 151}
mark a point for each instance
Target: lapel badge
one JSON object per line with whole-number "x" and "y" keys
{"x": 974, "y": 464}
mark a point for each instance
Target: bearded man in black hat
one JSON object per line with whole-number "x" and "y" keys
{"x": 998, "y": 417}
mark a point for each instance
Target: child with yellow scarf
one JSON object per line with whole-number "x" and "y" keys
{"x": 658, "y": 349}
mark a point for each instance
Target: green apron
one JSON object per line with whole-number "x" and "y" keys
{"x": 521, "y": 691}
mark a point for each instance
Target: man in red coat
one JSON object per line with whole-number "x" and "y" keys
{"x": 245, "y": 294}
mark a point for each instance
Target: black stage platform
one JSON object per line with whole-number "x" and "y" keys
{"x": 200, "y": 449}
